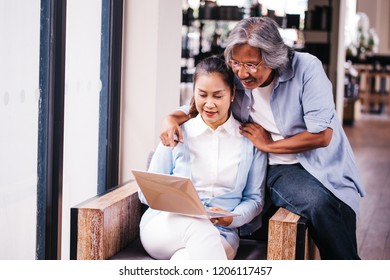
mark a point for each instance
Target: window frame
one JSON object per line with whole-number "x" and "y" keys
{"x": 51, "y": 117}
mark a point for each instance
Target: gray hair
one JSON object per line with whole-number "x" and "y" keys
{"x": 261, "y": 33}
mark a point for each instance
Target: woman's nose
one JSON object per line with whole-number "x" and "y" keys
{"x": 209, "y": 104}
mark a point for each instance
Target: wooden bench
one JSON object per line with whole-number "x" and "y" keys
{"x": 107, "y": 227}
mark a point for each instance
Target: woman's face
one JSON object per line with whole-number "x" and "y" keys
{"x": 212, "y": 98}
{"x": 246, "y": 54}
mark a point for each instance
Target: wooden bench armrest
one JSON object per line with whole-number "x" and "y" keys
{"x": 288, "y": 237}
{"x": 105, "y": 224}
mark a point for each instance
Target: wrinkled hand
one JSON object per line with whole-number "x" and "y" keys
{"x": 260, "y": 137}
{"x": 170, "y": 132}
{"x": 222, "y": 221}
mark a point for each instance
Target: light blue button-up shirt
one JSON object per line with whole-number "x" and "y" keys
{"x": 302, "y": 100}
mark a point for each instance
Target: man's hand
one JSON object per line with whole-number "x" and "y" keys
{"x": 170, "y": 132}
{"x": 301, "y": 142}
{"x": 260, "y": 137}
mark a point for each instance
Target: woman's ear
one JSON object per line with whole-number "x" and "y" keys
{"x": 233, "y": 93}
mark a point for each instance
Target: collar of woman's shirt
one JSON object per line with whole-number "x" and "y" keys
{"x": 198, "y": 126}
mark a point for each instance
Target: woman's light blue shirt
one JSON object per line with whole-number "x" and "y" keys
{"x": 245, "y": 199}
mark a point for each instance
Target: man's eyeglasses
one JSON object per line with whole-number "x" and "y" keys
{"x": 251, "y": 67}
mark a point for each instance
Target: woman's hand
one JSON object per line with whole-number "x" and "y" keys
{"x": 221, "y": 221}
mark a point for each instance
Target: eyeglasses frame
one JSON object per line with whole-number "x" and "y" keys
{"x": 240, "y": 64}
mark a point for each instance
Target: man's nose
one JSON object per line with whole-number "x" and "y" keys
{"x": 242, "y": 72}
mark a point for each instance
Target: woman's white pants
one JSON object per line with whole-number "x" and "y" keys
{"x": 172, "y": 236}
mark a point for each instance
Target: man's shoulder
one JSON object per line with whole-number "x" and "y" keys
{"x": 303, "y": 57}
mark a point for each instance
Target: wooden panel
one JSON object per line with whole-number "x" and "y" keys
{"x": 282, "y": 235}
{"x": 121, "y": 224}
{"x": 283, "y": 240}
{"x": 108, "y": 223}
{"x": 90, "y": 234}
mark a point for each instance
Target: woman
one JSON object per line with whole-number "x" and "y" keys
{"x": 286, "y": 103}
{"x": 225, "y": 179}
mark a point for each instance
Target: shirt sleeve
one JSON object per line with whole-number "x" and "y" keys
{"x": 317, "y": 98}
{"x": 185, "y": 109}
{"x": 253, "y": 194}
{"x": 161, "y": 162}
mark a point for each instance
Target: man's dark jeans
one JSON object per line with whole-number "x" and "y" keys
{"x": 332, "y": 223}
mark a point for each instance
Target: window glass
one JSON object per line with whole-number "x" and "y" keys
{"x": 82, "y": 91}
{"x": 19, "y": 95}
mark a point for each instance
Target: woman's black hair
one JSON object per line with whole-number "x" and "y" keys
{"x": 209, "y": 65}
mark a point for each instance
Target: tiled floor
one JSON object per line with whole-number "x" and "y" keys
{"x": 370, "y": 140}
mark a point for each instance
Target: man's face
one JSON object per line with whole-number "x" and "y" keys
{"x": 253, "y": 74}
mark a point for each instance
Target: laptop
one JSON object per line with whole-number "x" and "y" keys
{"x": 173, "y": 194}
